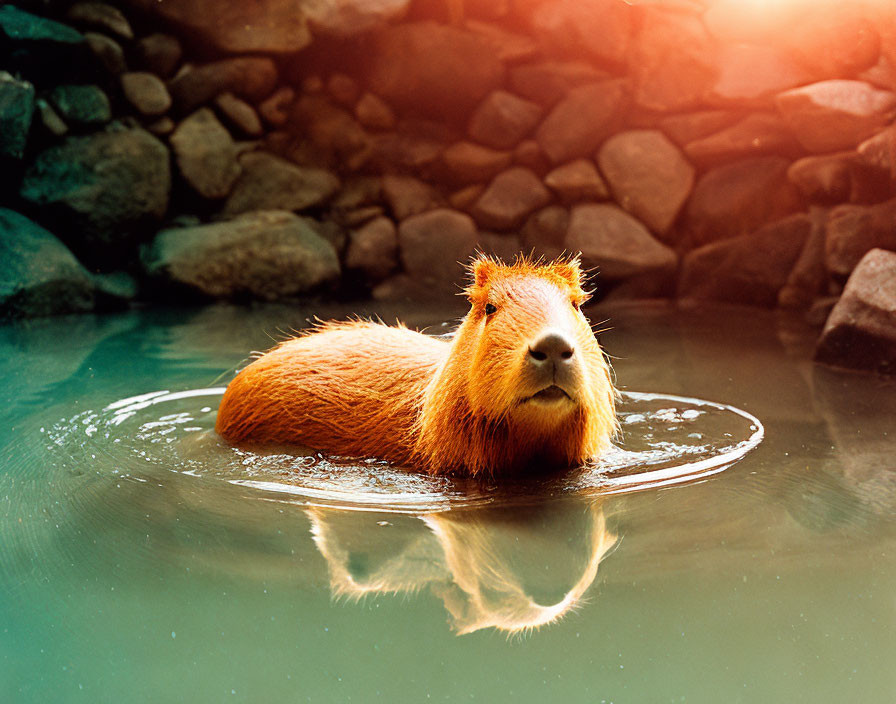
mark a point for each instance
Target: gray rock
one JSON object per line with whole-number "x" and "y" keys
{"x": 250, "y": 77}
{"x": 271, "y": 183}
{"x": 20, "y": 26}
{"x": 581, "y": 121}
{"x": 503, "y": 119}
{"x": 240, "y": 114}
{"x": 860, "y": 333}
{"x": 206, "y": 154}
{"x": 467, "y": 162}
{"x": 806, "y": 281}
{"x": 616, "y": 243}
{"x": 101, "y": 16}
{"x": 16, "y": 112}
{"x": 83, "y": 105}
{"x": 601, "y": 29}
{"x": 833, "y": 115}
{"x": 750, "y": 269}
{"x": 109, "y": 185}
{"x": 547, "y": 82}
{"x": 373, "y": 249}
{"x": 504, "y": 246}
{"x": 268, "y": 255}
{"x": 577, "y": 181}
{"x": 544, "y": 233}
{"x": 409, "y": 196}
{"x": 159, "y": 53}
{"x": 146, "y": 92}
{"x": 648, "y": 175}
{"x": 108, "y": 52}
{"x": 510, "y": 198}
{"x": 757, "y": 134}
{"x": 432, "y": 69}
{"x": 38, "y": 274}
{"x": 854, "y": 230}
{"x": 432, "y": 245}
{"x": 374, "y": 112}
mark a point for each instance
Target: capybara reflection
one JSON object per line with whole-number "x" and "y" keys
{"x": 522, "y": 385}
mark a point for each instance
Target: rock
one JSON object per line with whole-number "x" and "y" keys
{"x": 464, "y": 198}
{"x": 343, "y": 89}
{"x": 433, "y": 243}
{"x": 508, "y": 46}
{"x": 861, "y": 331}
{"x": 879, "y": 152}
{"x": 38, "y": 274}
{"x": 374, "y": 112}
{"x": 806, "y": 281}
{"x": 108, "y": 52}
{"x": 83, "y": 105}
{"x": 854, "y": 230}
{"x": 576, "y": 181}
{"x": 409, "y": 196}
{"x": 600, "y": 29}
{"x": 581, "y": 121}
{"x": 275, "y": 109}
{"x": 347, "y": 18}
{"x": 544, "y": 233}
{"x": 146, "y": 92}
{"x": 408, "y": 149}
{"x": 432, "y": 69}
{"x": 50, "y": 119}
{"x": 750, "y": 269}
{"x": 469, "y": 163}
{"x": 239, "y": 114}
{"x": 510, "y": 198}
{"x": 271, "y": 183}
{"x": 336, "y": 137}
{"x": 648, "y": 176}
{"x": 162, "y": 127}
{"x": 529, "y": 155}
{"x": 159, "y": 53}
{"x": 108, "y": 186}
{"x": 20, "y": 26}
{"x": 690, "y": 126}
{"x": 16, "y": 112}
{"x": 751, "y": 73}
{"x": 373, "y": 249}
{"x": 835, "y": 43}
{"x": 739, "y": 198}
{"x": 824, "y": 179}
{"x": 206, "y": 154}
{"x": 249, "y": 77}
{"x": 616, "y": 243}
{"x": 547, "y": 82}
{"x": 833, "y": 115}
{"x": 114, "y": 290}
{"x": 236, "y": 26}
{"x": 503, "y": 119}
{"x": 503, "y": 246}
{"x": 268, "y": 255}
{"x": 101, "y": 16}
{"x": 757, "y": 134}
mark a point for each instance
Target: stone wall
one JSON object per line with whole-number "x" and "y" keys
{"x": 709, "y": 150}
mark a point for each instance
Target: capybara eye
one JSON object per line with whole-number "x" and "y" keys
{"x": 489, "y": 309}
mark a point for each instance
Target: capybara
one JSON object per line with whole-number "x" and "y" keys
{"x": 522, "y": 385}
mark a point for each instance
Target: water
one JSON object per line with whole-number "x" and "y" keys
{"x": 195, "y": 572}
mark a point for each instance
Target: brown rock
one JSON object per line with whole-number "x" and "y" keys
{"x": 806, "y": 281}
{"x": 374, "y": 112}
{"x": 162, "y": 127}
{"x": 508, "y": 46}
{"x": 879, "y": 152}
{"x": 50, "y": 119}
{"x": 510, "y": 198}
{"x": 465, "y": 198}
{"x": 468, "y": 163}
{"x": 739, "y": 198}
{"x": 101, "y": 16}
{"x": 503, "y": 119}
{"x": 343, "y": 89}
{"x": 409, "y": 196}
{"x": 600, "y": 29}
{"x": 107, "y": 51}
{"x": 334, "y": 134}
{"x": 577, "y": 181}
{"x": 581, "y": 121}
{"x": 206, "y": 154}
{"x": 275, "y": 109}
{"x": 239, "y": 114}
{"x": 854, "y": 230}
{"x": 501, "y": 245}
{"x": 648, "y": 176}
{"x": 750, "y": 73}
{"x": 837, "y": 114}
{"x": 146, "y": 92}
{"x": 836, "y": 42}
{"x": 756, "y": 135}
{"x": 824, "y": 179}
{"x": 690, "y": 126}
{"x": 252, "y": 78}
{"x": 547, "y": 82}
{"x": 159, "y": 53}
{"x": 348, "y": 18}
{"x": 616, "y": 243}
{"x": 435, "y": 244}
{"x": 528, "y": 154}
{"x": 373, "y": 249}
{"x": 861, "y": 330}
{"x": 750, "y": 269}
{"x": 544, "y": 233}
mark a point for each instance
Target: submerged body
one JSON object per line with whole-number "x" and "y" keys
{"x": 522, "y": 383}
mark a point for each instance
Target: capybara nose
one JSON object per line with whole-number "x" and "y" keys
{"x": 551, "y": 347}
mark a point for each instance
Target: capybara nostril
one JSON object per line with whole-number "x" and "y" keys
{"x": 551, "y": 346}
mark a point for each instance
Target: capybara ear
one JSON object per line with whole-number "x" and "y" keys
{"x": 569, "y": 270}
{"x": 483, "y": 268}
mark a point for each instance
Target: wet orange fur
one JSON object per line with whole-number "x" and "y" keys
{"x": 361, "y": 389}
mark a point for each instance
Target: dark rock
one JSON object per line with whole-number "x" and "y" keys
{"x": 206, "y": 155}
{"x": 648, "y": 176}
{"x": 503, "y": 119}
{"x": 347, "y": 18}
{"x": 577, "y": 181}
{"x": 21, "y": 26}
{"x": 16, "y": 112}
{"x": 107, "y": 51}
{"x": 807, "y": 279}
{"x": 757, "y": 134}
{"x": 249, "y": 77}
{"x": 434, "y": 244}
{"x": 271, "y": 183}
{"x": 879, "y": 152}
{"x": 432, "y": 69}
{"x": 50, "y": 119}
{"x": 114, "y": 290}
{"x": 161, "y": 127}
{"x": 750, "y": 73}
{"x": 336, "y": 138}
{"x": 739, "y": 198}
{"x": 83, "y": 105}
{"x": 275, "y": 109}
{"x": 501, "y": 245}
{"x": 837, "y": 114}
{"x": 464, "y": 198}
{"x": 616, "y": 243}
{"x": 547, "y": 82}
{"x": 529, "y": 155}
{"x": 600, "y": 30}
{"x": 861, "y": 330}
{"x": 544, "y": 233}
{"x": 581, "y": 121}
{"x": 239, "y": 114}
{"x": 146, "y": 92}
{"x": 510, "y": 198}
{"x": 469, "y": 163}
{"x": 343, "y": 89}
{"x": 373, "y": 249}
{"x": 508, "y": 46}
{"x": 101, "y": 16}
{"x": 108, "y": 186}
{"x": 374, "y": 112}
{"x": 268, "y": 255}
{"x": 409, "y": 196}
{"x": 854, "y": 230}
{"x": 159, "y": 53}
{"x": 750, "y": 269}
{"x": 38, "y": 274}
{"x": 824, "y": 179}
{"x": 690, "y": 126}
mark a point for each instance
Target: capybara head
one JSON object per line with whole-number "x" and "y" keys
{"x": 526, "y": 384}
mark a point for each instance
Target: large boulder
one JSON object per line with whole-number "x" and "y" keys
{"x": 432, "y": 69}
{"x": 16, "y": 111}
{"x": 854, "y": 230}
{"x": 38, "y": 274}
{"x": 860, "y": 332}
{"x": 206, "y": 154}
{"x": 107, "y": 186}
{"x": 268, "y": 255}
{"x": 432, "y": 245}
{"x": 759, "y": 133}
